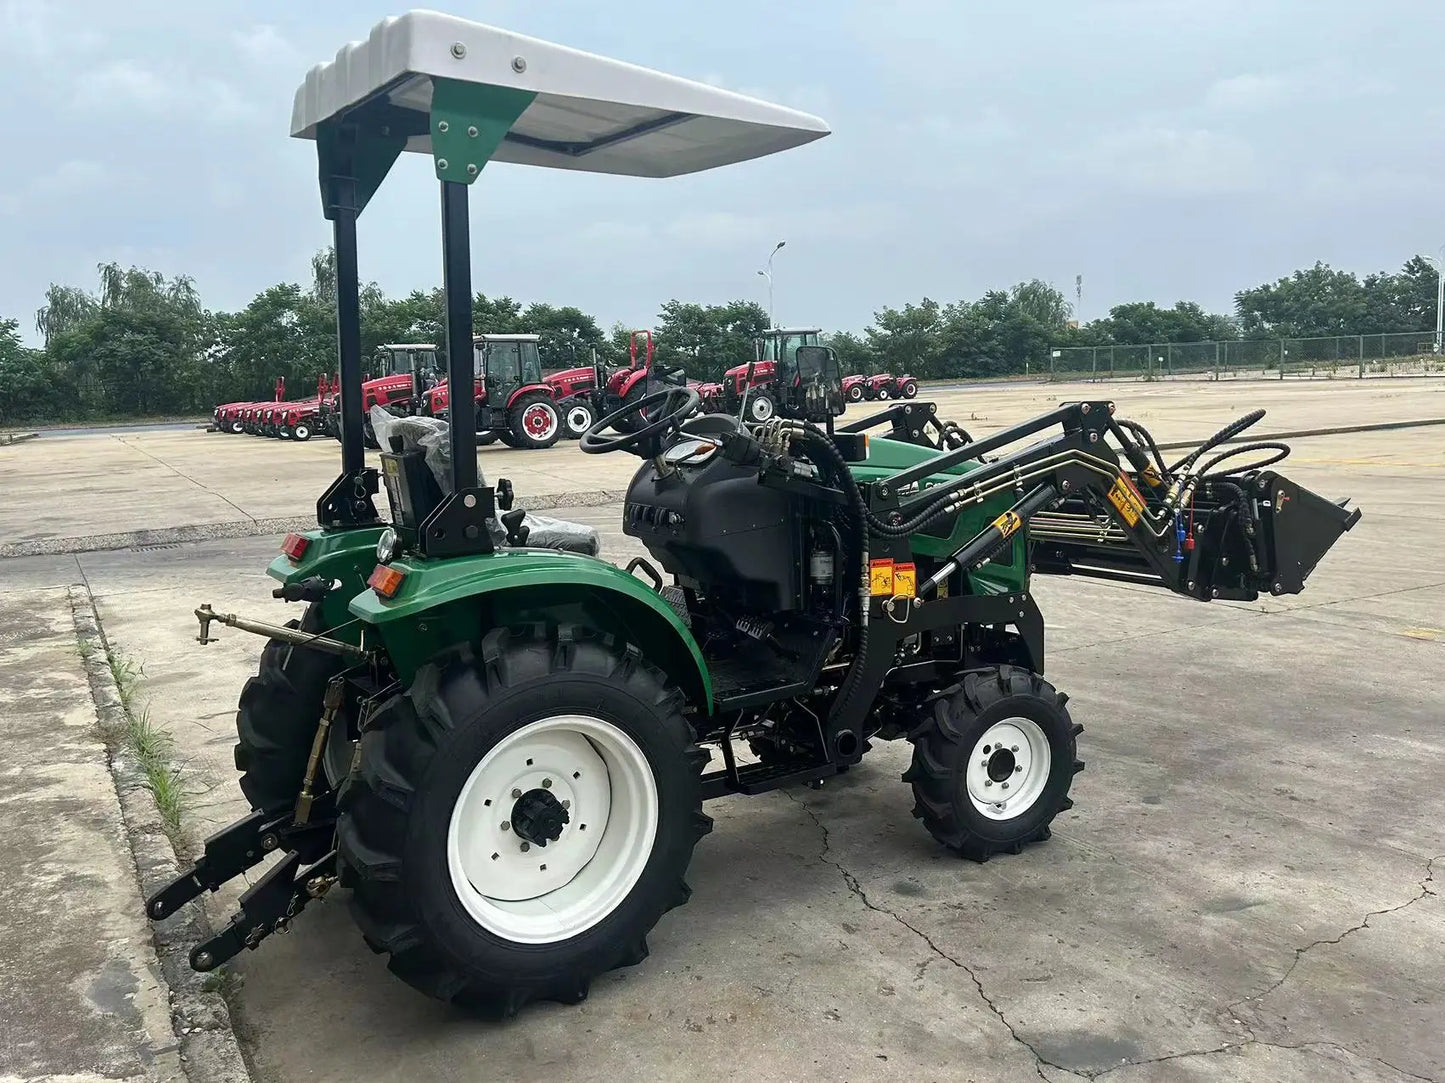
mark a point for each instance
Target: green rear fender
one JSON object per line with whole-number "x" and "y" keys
{"x": 346, "y": 556}
{"x": 441, "y": 603}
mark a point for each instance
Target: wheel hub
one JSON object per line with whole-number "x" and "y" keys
{"x": 538, "y": 817}
{"x": 1008, "y": 769}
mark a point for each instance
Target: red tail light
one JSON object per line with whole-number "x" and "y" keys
{"x": 385, "y": 581}
{"x": 294, "y": 546}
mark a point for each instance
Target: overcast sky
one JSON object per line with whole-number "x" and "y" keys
{"x": 1163, "y": 149}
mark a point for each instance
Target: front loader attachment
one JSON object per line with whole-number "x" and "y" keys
{"x": 1098, "y": 500}
{"x": 1237, "y": 539}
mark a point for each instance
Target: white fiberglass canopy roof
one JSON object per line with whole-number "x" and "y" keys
{"x": 506, "y": 338}
{"x": 589, "y": 112}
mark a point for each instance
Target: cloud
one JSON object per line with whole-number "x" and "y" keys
{"x": 263, "y": 45}
{"x": 1157, "y": 159}
{"x": 123, "y": 84}
{"x": 1253, "y": 92}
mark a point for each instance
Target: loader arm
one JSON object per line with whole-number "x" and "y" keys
{"x": 1096, "y": 499}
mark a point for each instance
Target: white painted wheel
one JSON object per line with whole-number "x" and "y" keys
{"x": 1008, "y": 768}
{"x": 579, "y": 419}
{"x": 301, "y": 432}
{"x": 760, "y": 408}
{"x": 552, "y": 889}
{"x": 882, "y": 394}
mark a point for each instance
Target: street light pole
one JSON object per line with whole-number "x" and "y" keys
{"x": 768, "y": 274}
{"x": 1439, "y": 299}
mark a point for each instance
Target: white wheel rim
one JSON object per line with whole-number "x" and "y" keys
{"x": 553, "y": 892}
{"x": 1008, "y": 768}
{"x": 882, "y": 395}
{"x": 910, "y": 391}
{"x": 761, "y": 408}
{"x": 579, "y": 419}
{"x": 301, "y": 432}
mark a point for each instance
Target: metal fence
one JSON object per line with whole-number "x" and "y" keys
{"x": 1332, "y": 357}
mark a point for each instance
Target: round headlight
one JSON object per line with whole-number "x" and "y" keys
{"x": 388, "y": 546}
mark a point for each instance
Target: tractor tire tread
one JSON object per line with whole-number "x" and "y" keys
{"x": 399, "y": 746}
{"x": 940, "y": 750}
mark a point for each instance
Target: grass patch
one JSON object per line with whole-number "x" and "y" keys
{"x": 84, "y": 648}
{"x": 151, "y": 745}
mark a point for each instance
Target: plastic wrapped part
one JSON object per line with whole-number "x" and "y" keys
{"x": 544, "y": 532}
{"x": 431, "y": 435}
{"x": 427, "y": 433}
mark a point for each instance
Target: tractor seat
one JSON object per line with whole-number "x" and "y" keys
{"x": 544, "y": 532}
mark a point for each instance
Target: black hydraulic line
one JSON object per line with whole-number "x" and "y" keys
{"x": 940, "y": 463}
{"x": 1139, "y": 462}
{"x": 461, "y": 376}
{"x": 348, "y": 337}
{"x": 1234, "y": 428}
{"x": 992, "y": 537}
{"x": 1281, "y": 452}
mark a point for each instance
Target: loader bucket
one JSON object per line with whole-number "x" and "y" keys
{"x": 1299, "y": 527}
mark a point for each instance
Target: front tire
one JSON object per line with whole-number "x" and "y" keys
{"x": 855, "y": 393}
{"x": 993, "y": 762}
{"x": 301, "y": 432}
{"x": 910, "y": 390}
{"x": 505, "y": 736}
{"x": 882, "y": 395}
{"x": 760, "y": 407}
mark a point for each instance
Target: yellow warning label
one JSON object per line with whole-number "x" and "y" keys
{"x": 1126, "y": 498}
{"x": 1008, "y": 523}
{"x": 1151, "y": 477}
{"x": 880, "y": 578}
{"x": 905, "y": 580}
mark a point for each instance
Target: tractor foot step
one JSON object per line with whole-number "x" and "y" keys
{"x": 266, "y": 908}
{"x": 756, "y": 778}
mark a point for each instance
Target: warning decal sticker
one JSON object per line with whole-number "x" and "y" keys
{"x": 880, "y": 577}
{"x": 1126, "y": 498}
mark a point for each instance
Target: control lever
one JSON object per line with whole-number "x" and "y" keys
{"x": 307, "y": 590}
{"x": 504, "y": 494}
{"x": 516, "y": 531}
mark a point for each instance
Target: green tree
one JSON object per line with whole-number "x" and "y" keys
{"x": 568, "y": 334}
{"x": 1316, "y": 301}
{"x": 708, "y": 339}
{"x": 854, "y": 354}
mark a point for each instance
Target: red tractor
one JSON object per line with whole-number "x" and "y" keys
{"x": 575, "y": 392}
{"x": 408, "y": 370}
{"x": 514, "y": 405}
{"x": 232, "y": 416}
{"x": 885, "y": 385}
{"x": 855, "y": 387}
{"x": 756, "y": 381}
{"x": 581, "y": 402}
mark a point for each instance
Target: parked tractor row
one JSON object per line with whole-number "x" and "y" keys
{"x": 522, "y": 408}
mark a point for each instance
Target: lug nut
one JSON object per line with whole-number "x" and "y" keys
{"x": 1017, "y": 768}
{"x": 546, "y": 784}
{"x": 1015, "y": 748}
{"x": 566, "y": 804}
{"x": 526, "y": 846}
{"x": 1004, "y": 785}
{"x": 516, "y": 794}
{"x": 988, "y": 782}
{"x": 506, "y": 825}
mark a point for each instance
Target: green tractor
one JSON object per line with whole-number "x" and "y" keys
{"x": 501, "y": 752}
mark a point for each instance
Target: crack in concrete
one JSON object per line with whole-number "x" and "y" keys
{"x": 1041, "y": 1062}
{"x": 1299, "y": 953}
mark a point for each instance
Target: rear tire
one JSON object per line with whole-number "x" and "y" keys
{"x": 855, "y": 393}
{"x": 276, "y": 721}
{"x": 578, "y": 418}
{"x": 910, "y": 390}
{"x": 993, "y": 762}
{"x": 445, "y": 763}
{"x": 535, "y": 421}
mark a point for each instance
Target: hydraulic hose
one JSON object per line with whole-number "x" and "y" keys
{"x": 1281, "y": 452}
{"x": 1234, "y": 428}
{"x": 1148, "y": 438}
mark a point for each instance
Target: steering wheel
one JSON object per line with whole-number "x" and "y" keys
{"x": 678, "y": 404}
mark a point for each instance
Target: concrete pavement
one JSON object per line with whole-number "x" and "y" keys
{"x": 81, "y": 991}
